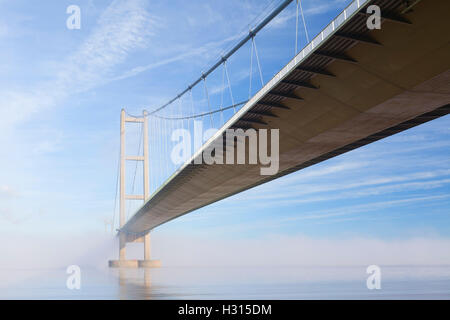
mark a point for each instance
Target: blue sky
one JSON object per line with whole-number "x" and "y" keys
{"x": 61, "y": 92}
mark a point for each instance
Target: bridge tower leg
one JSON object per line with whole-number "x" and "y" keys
{"x": 124, "y": 238}
{"x": 147, "y": 262}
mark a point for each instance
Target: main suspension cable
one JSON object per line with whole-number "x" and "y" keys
{"x": 198, "y": 115}
{"x": 225, "y": 57}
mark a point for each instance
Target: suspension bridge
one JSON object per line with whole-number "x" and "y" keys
{"x": 348, "y": 86}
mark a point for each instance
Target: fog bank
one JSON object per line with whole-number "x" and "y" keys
{"x": 273, "y": 250}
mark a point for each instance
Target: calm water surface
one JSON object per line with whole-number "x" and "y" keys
{"x": 401, "y": 282}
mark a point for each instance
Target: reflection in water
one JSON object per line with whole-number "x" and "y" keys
{"x": 147, "y": 278}
{"x": 400, "y": 282}
{"x": 135, "y": 283}
{"x": 282, "y": 283}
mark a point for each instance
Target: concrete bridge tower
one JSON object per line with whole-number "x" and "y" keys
{"x": 125, "y": 237}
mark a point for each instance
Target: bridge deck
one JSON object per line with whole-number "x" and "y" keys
{"x": 356, "y": 85}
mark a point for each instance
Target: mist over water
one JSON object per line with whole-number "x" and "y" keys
{"x": 193, "y": 268}
{"x": 398, "y": 282}
{"x": 91, "y": 249}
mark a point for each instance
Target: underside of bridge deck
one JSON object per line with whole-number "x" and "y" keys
{"x": 357, "y": 87}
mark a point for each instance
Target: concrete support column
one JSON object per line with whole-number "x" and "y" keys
{"x": 122, "y": 244}
{"x": 147, "y": 249}
{"x": 146, "y": 168}
{"x": 122, "y": 237}
{"x": 146, "y": 180}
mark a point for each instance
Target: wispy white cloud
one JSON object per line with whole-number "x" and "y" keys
{"x": 367, "y": 207}
{"x": 354, "y": 194}
{"x": 355, "y": 211}
{"x": 125, "y": 26}
{"x": 212, "y": 48}
{"x": 299, "y": 188}
{"x": 316, "y": 7}
{"x": 310, "y": 9}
